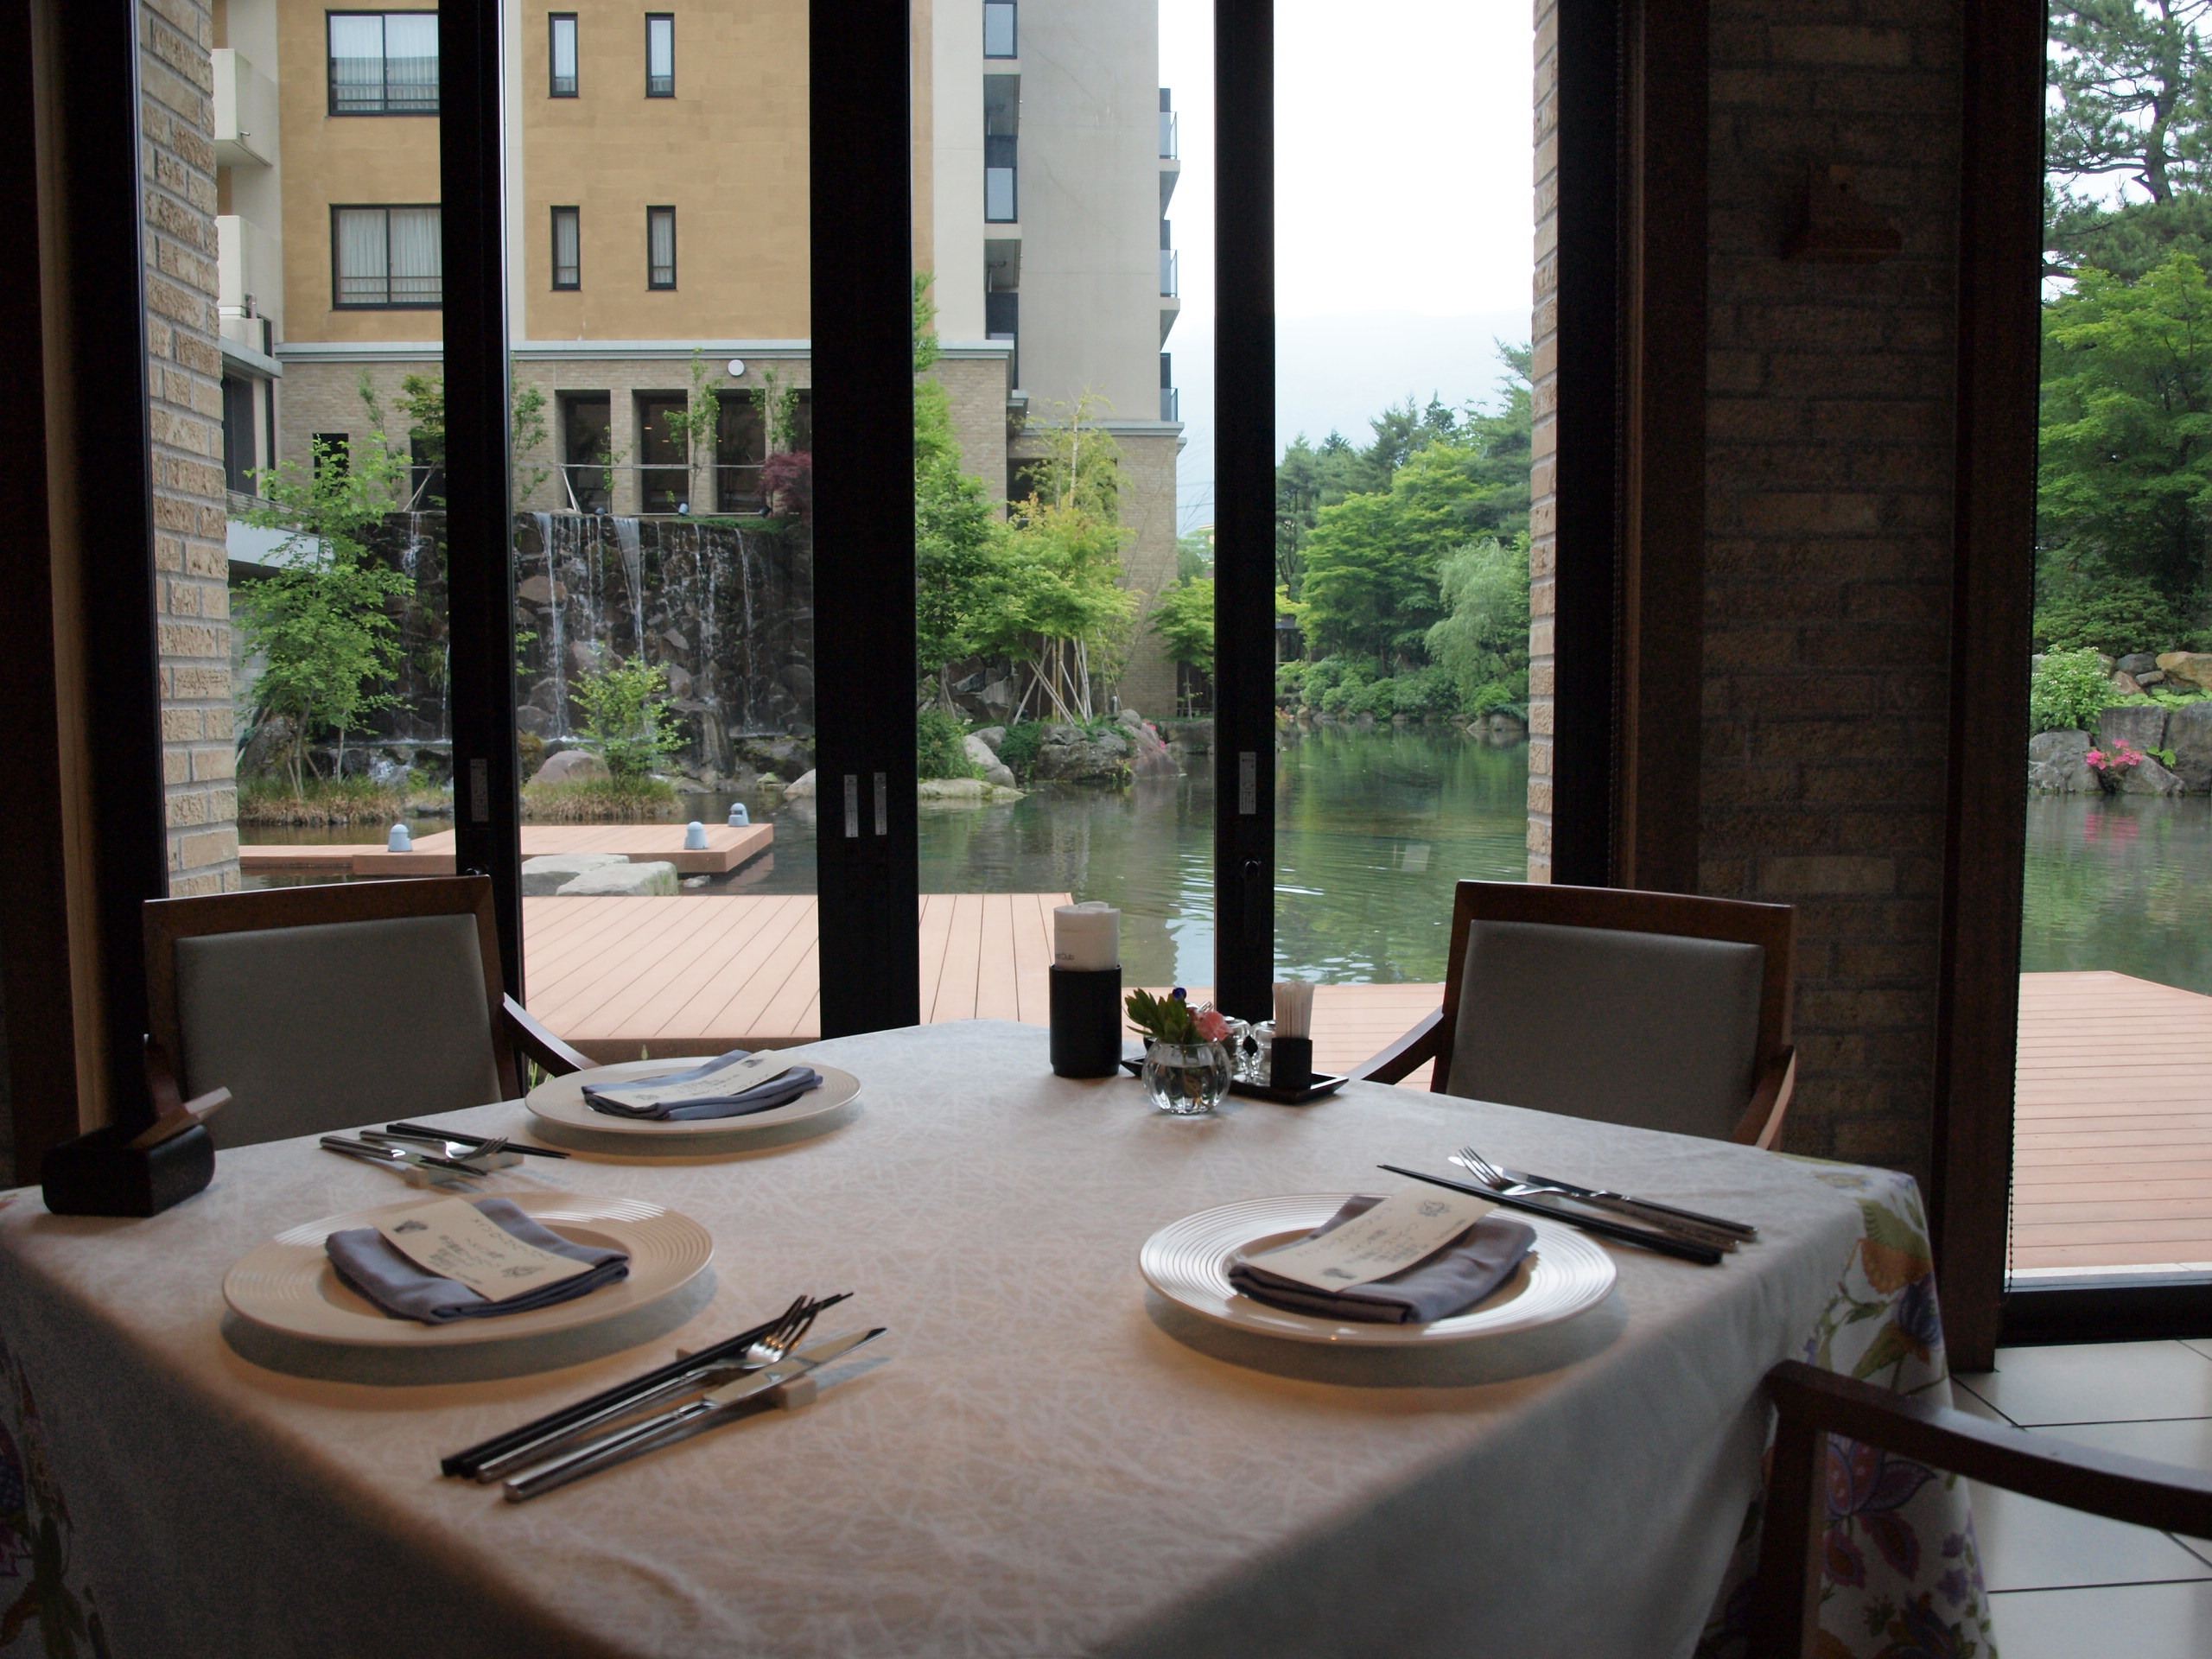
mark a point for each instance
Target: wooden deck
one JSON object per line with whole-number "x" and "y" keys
{"x": 2113, "y": 1144}
{"x": 727, "y": 848}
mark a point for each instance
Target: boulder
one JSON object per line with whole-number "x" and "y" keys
{"x": 2147, "y": 777}
{"x": 2189, "y": 734}
{"x": 801, "y": 790}
{"x": 2137, "y": 662}
{"x": 269, "y": 748}
{"x": 2143, "y": 724}
{"x": 550, "y": 872}
{"x": 2058, "y": 763}
{"x": 965, "y": 791}
{"x": 624, "y": 880}
{"x": 2155, "y": 676}
{"x": 1069, "y": 756}
{"x": 2125, "y": 685}
{"x": 991, "y": 737}
{"x": 572, "y": 767}
{"x": 2192, "y": 668}
{"x": 986, "y": 760}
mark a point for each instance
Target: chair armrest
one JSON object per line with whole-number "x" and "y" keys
{"x": 1762, "y": 1122}
{"x": 1403, "y": 1056}
{"x": 541, "y": 1045}
{"x": 1812, "y": 1404}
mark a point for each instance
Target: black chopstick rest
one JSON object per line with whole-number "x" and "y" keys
{"x": 101, "y": 1174}
{"x": 1086, "y": 1017}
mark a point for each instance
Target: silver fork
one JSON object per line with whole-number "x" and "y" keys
{"x": 1490, "y": 1175}
{"x": 771, "y": 1348}
{"x": 490, "y": 1155}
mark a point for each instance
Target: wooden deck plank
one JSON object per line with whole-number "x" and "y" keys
{"x": 997, "y": 996}
{"x": 1031, "y": 921}
{"x": 936, "y": 931}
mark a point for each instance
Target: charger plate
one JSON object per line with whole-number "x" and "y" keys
{"x": 289, "y": 1284}
{"x": 1188, "y": 1261}
{"x": 561, "y": 1100}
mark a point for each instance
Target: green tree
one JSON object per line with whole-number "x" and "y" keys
{"x": 1182, "y": 619}
{"x": 959, "y": 564}
{"x": 1482, "y": 641}
{"x": 323, "y": 618}
{"x": 423, "y": 400}
{"x": 2125, "y": 477}
{"x": 626, "y": 716}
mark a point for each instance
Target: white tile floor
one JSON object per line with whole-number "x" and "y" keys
{"x": 2066, "y": 1585}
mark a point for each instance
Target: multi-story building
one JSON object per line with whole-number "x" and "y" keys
{"x": 657, "y": 180}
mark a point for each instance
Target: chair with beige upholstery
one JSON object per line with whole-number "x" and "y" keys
{"x": 1658, "y": 1010}
{"x": 325, "y": 1008}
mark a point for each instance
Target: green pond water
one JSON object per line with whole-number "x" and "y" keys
{"x": 2121, "y": 882}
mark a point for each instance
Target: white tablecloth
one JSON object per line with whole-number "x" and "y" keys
{"x": 1042, "y": 1458}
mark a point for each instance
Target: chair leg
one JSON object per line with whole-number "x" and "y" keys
{"x": 1786, "y": 1593}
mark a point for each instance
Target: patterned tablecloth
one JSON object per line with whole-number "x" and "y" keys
{"x": 1043, "y": 1462}
{"x": 1904, "y": 1574}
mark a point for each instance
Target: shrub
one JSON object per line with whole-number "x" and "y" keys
{"x": 626, "y": 716}
{"x": 939, "y": 745}
{"x": 1315, "y": 682}
{"x": 2068, "y": 690}
{"x": 2119, "y": 615}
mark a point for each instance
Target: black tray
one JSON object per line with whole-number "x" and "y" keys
{"x": 1318, "y": 1087}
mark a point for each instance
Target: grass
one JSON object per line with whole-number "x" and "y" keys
{"x": 323, "y": 801}
{"x": 620, "y": 800}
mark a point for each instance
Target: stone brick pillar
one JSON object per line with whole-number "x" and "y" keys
{"x": 186, "y": 378}
{"x": 1543, "y": 515}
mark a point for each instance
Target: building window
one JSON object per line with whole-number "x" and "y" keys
{"x": 383, "y": 62}
{"x": 239, "y": 462}
{"x": 999, "y": 39}
{"x": 568, "y": 240}
{"x": 664, "y": 457}
{"x": 1001, "y": 125}
{"x": 588, "y": 451}
{"x": 386, "y": 258}
{"x": 660, "y": 55}
{"x": 334, "y": 454}
{"x": 562, "y": 54}
{"x": 660, "y": 247}
{"x": 741, "y": 446}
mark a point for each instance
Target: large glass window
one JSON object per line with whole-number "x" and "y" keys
{"x": 383, "y": 62}
{"x": 660, "y": 56}
{"x": 388, "y": 258}
{"x": 562, "y": 55}
{"x": 999, "y": 39}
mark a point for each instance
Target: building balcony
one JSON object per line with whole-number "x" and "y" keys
{"x": 249, "y": 279}
{"x": 1168, "y": 150}
{"x": 1170, "y": 403}
{"x": 1168, "y": 284}
{"x": 245, "y": 112}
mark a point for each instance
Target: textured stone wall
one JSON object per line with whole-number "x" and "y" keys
{"x": 1829, "y": 422}
{"x": 186, "y": 378}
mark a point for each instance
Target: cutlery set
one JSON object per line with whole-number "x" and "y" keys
{"x": 1662, "y": 1228}
{"x": 604, "y": 1430}
{"x": 415, "y": 1151}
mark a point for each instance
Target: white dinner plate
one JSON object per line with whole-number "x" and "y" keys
{"x": 561, "y": 1100}
{"x": 289, "y": 1284}
{"x": 1188, "y": 1261}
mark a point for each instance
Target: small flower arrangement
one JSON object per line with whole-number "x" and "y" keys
{"x": 1171, "y": 1019}
{"x": 2114, "y": 761}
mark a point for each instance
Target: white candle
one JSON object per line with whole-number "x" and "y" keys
{"x": 1086, "y": 935}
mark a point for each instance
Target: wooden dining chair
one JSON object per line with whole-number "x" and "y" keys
{"x": 1812, "y": 1404}
{"x": 1659, "y": 1009}
{"x": 322, "y": 1008}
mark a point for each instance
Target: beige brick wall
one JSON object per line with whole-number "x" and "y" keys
{"x": 1543, "y": 512}
{"x": 185, "y": 375}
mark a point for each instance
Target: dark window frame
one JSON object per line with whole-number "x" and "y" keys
{"x": 652, "y": 278}
{"x": 666, "y": 88}
{"x": 1015, "y": 35}
{"x": 576, "y": 271}
{"x": 330, "y": 66}
{"x": 338, "y": 302}
{"x": 553, "y": 21}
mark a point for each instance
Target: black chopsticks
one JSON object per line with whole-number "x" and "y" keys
{"x": 425, "y": 1132}
{"x": 1625, "y": 1232}
{"x": 467, "y": 1463}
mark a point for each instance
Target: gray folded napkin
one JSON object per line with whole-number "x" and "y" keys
{"x": 371, "y": 1264}
{"x": 1450, "y": 1282}
{"x": 778, "y": 1090}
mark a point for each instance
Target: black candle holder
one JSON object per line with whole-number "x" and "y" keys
{"x": 101, "y": 1174}
{"x": 1086, "y": 1014}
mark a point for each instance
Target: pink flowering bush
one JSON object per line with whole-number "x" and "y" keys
{"x": 2114, "y": 761}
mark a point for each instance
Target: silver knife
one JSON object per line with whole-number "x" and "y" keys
{"x": 395, "y": 1158}
{"x": 622, "y": 1444}
{"x": 1652, "y": 1207}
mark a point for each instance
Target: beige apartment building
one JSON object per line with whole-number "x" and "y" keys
{"x": 657, "y": 178}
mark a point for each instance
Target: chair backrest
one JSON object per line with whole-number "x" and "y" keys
{"x": 322, "y": 1008}
{"x": 1652, "y": 1008}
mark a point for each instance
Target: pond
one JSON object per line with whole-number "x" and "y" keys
{"x": 2120, "y": 882}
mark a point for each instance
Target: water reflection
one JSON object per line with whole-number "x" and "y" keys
{"x": 2120, "y": 882}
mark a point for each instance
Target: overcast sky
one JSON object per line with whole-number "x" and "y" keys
{"x": 1403, "y": 210}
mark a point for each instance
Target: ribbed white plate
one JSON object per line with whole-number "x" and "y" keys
{"x": 289, "y": 1284}
{"x": 1188, "y": 1261}
{"x": 561, "y": 1100}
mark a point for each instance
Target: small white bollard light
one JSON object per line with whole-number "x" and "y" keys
{"x": 739, "y": 817}
{"x": 399, "y": 841}
{"x": 694, "y": 837}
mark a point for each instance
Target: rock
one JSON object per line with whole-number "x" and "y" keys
{"x": 964, "y": 792}
{"x": 679, "y": 679}
{"x": 1068, "y": 756}
{"x": 691, "y": 881}
{"x": 2147, "y": 777}
{"x": 2189, "y": 734}
{"x": 2154, "y": 678}
{"x": 2126, "y": 684}
{"x": 990, "y": 737}
{"x": 675, "y": 641}
{"x": 2143, "y": 724}
{"x": 267, "y": 748}
{"x": 551, "y": 872}
{"x": 2191, "y": 667}
{"x": 533, "y": 721}
{"x": 2058, "y": 763}
{"x": 541, "y": 589}
{"x": 572, "y": 767}
{"x": 2137, "y": 663}
{"x": 986, "y": 761}
{"x": 801, "y": 790}
{"x": 624, "y": 880}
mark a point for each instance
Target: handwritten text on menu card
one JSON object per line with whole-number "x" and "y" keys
{"x": 454, "y": 1238}
{"x": 1404, "y": 1229}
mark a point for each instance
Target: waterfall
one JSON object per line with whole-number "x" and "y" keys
{"x": 634, "y": 567}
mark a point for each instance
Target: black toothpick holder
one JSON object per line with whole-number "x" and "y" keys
{"x": 102, "y": 1174}
{"x": 1086, "y": 1015}
{"x": 1291, "y": 1062}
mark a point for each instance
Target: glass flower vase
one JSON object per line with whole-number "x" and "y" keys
{"x": 1186, "y": 1079}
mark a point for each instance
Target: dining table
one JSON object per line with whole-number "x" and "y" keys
{"x": 1042, "y": 1456}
